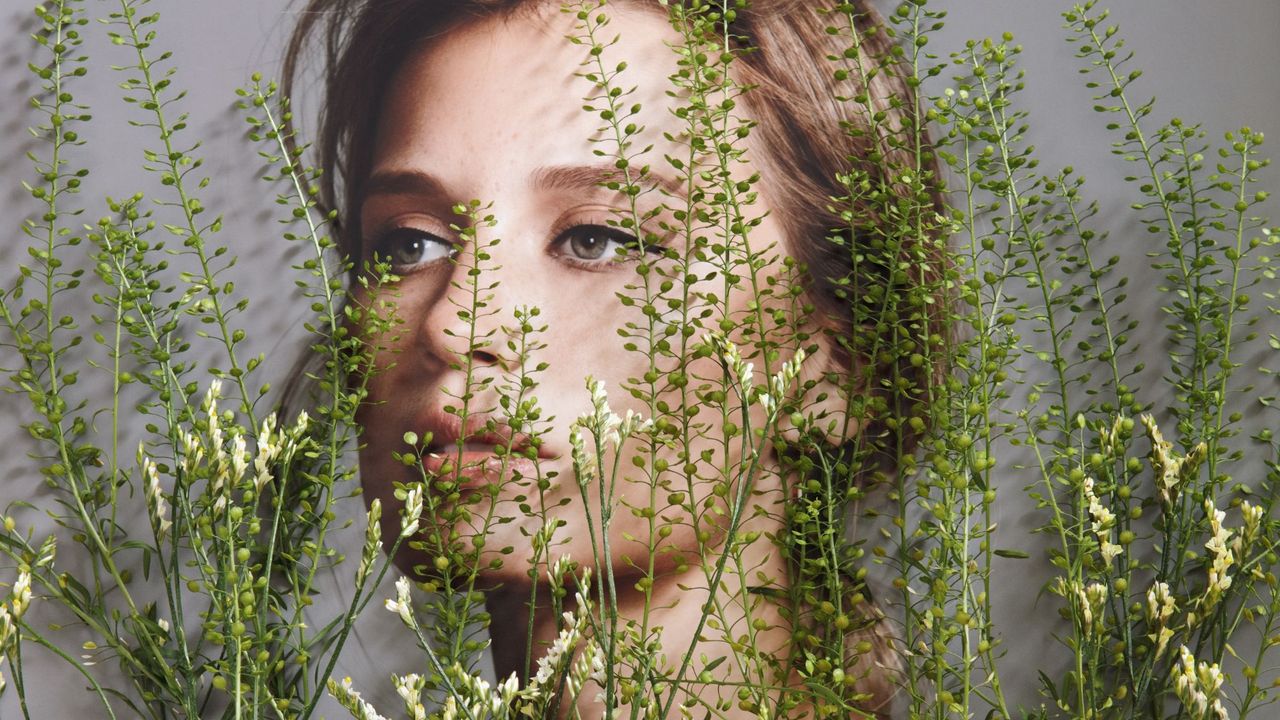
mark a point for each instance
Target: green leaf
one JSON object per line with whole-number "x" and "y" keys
{"x": 1012, "y": 554}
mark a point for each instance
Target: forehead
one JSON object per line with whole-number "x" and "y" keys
{"x": 507, "y": 89}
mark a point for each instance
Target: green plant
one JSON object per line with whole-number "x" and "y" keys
{"x": 946, "y": 303}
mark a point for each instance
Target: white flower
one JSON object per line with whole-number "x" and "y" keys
{"x": 1092, "y": 600}
{"x": 192, "y": 453}
{"x": 588, "y": 667}
{"x": 1171, "y": 471}
{"x": 239, "y": 459}
{"x": 563, "y": 645}
{"x": 508, "y": 689}
{"x": 372, "y": 538}
{"x": 269, "y": 446}
{"x": 558, "y": 570}
{"x": 155, "y": 498}
{"x": 348, "y": 698}
{"x": 1160, "y": 604}
{"x": 402, "y": 605}
{"x": 1160, "y": 607}
{"x": 601, "y": 421}
{"x": 1252, "y": 516}
{"x": 1197, "y": 685}
{"x": 412, "y": 511}
{"x": 7, "y": 627}
{"x": 21, "y": 593}
{"x": 409, "y": 688}
{"x": 768, "y": 403}
{"x": 1219, "y": 549}
{"x": 211, "y": 397}
{"x": 743, "y": 372}
{"x": 1103, "y": 520}
{"x": 215, "y": 424}
{"x": 632, "y": 423}
{"x": 584, "y": 465}
{"x": 300, "y": 424}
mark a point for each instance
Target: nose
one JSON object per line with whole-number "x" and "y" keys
{"x": 463, "y": 324}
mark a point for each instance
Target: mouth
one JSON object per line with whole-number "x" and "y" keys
{"x": 476, "y": 464}
{"x": 479, "y": 456}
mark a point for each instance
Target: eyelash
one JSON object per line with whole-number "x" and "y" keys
{"x": 563, "y": 237}
{"x": 604, "y": 263}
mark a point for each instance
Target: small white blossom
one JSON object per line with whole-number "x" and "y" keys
{"x": 21, "y": 593}
{"x": 562, "y": 647}
{"x": 300, "y": 425}
{"x": 768, "y": 403}
{"x": 269, "y": 446}
{"x": 155, "y": 498}
{"x": 409, "y": 688}
{"x": 559, "y": 569}
{"x": 1171, "y": 471}
{"x": 1197, "y": 685}
{"x": 412, "y": 511}
{"x": 239, "y": 459}
{"x": 602, "y": 422}
{"x": 1160, "y": 607}
{"x": 1160, "y": 604}
{"x": 1103, "y": 520}
{"x": 633, "y": 424}
{"x": 402, "y": 605}
{"x": 588, "y": 667}
{"x": 583, "y": 464}
{"x": 372, "y": 539}
{"x": 7, "y": 627}
{"x": 192, "y": 452}
{"x": 1222, "y": 558}
{"x": 348, "y": 698}
{"x": 218, "y": 455}
{"x": 1092, "y": 601}
{"x": 1252, "y": 516}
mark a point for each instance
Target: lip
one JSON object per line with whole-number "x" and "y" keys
{"x": 477, "y": 461}
{"x": 474, "y": 469}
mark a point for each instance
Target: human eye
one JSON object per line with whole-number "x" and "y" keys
{"x": 408, "y": 248}
{"x": 592, "y": 244}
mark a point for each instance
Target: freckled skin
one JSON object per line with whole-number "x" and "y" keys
{"x": 481, "y": 110}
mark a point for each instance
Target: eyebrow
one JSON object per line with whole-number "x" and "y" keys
{"x": 554, "y": 177}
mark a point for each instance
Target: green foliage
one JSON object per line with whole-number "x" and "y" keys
{"x": 963, "y": 265}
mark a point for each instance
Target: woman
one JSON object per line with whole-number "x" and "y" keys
{"x": 432, "y": 104}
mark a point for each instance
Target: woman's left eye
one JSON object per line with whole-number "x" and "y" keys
{"x": 595, "y": 243}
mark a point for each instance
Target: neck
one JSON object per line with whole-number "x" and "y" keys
{"x": 674, "y": 608}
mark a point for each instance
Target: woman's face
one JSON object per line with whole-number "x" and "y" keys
{"x": 493, "y": 111}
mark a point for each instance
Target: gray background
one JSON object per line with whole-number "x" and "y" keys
{"x": 1211, "y": 62}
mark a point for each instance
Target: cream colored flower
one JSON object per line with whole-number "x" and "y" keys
{"x": 1221, "y": 555}
{"x": 412, "y": 511}
{"x": 21, "y": 593}
{"x": 155, "y": 497}
{"x": 409, "y": 688}
{"x": 372, "y": 539}
{"x": 402, "y": 604}
{"x": 1103, "y": 521}
{"x": 348, "y": 698}
{"x": 1197, "y": 685}
{"x": 270, "y": 444}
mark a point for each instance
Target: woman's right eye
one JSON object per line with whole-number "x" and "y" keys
{"x": 407, "y": 248}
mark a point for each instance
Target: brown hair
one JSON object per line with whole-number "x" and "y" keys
{"x": 813, "y": 125}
